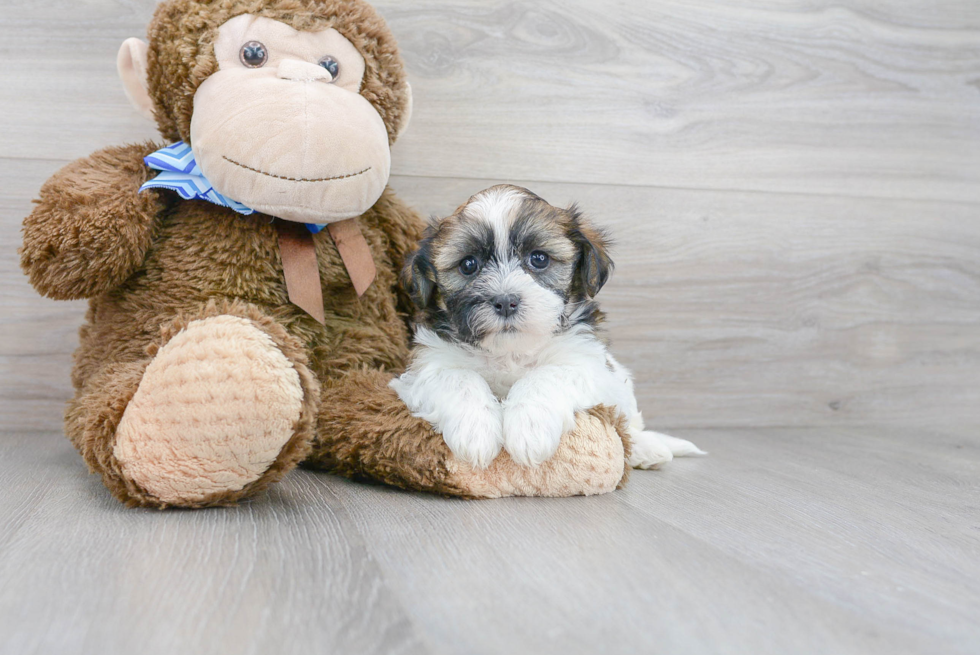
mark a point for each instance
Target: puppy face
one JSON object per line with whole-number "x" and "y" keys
{"x": 506, "y": 268}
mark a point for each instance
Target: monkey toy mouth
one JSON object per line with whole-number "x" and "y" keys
{"x": 295, "y": 179}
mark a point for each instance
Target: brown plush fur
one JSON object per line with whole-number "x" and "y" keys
{"x": 180, "y": 265}
{"x": 100, "y": 400}
{"x": 359, "y": 412}
{"x": 152, "y": 263}
{"x": 367, "y": 432}
{"x": 181, "y": 54}
{"x": 111, "y": 225}
{"x": 593, "y": 459}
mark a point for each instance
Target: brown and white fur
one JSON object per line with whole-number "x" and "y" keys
{"x": 506, "y": 346}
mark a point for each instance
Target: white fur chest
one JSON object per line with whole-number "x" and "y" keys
{"x": 503, "y": 370}
{"x": 515, "y": 356}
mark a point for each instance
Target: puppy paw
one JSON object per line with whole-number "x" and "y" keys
{"x": 532, "y": 433}
{"x": 474, "y": 435}
{"x": 648, "y": 450}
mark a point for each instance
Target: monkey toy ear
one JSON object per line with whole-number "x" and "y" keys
{"x": 409, "y": 106}
{"x": 131, "y": 64}
{"x": 417, "y": 277}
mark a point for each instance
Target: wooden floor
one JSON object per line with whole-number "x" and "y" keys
{"x": 782, "y": 541}
{"x": 795, "y": 192}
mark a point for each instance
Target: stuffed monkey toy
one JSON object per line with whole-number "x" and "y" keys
{"x": 229, "y": 336}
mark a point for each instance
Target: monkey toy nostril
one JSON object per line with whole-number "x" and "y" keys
{"x": 507, "y": 305}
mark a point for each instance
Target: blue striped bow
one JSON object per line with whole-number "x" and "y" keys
{"x": 179, "y": 172}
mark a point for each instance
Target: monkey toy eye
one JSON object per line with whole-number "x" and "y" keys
{"x": 253, "y": 54}
{"x": 539, "y": 260}
{"x": 469, "y": 266}
{"x": 331, "y": 65}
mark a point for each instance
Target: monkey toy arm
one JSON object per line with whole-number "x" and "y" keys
{"x": 91, "y": 227}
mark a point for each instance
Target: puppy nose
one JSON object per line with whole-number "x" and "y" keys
{"x": 302, "y": 71}
{"x": 506, "y": 305}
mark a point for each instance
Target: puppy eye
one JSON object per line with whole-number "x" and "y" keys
{"x": 253, "y": 54}
{"x": 539, "y": 260}
{"x": 331, "y": 65}
{"x": 469, "y": 266}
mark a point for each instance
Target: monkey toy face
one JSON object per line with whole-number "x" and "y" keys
{"x": 281, "y": 125}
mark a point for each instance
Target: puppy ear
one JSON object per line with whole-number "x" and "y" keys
{"x": 594, "y": 264}
{"x": 418, "y": 276}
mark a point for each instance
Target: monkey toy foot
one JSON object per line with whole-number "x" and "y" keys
{"x": 590, "y": 460}
{"x": 213, "y": 415}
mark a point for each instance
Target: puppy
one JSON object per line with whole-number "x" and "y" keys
{"x": 506, "y": 346}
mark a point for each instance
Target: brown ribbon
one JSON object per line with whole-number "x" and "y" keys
{"x": 300, "y": 268}
{"x": 355, "y": 252}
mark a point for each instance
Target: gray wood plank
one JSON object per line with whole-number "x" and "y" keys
{"x": 732, "y": 308}
{"x": 862, "y": 98}
{"x": 37, "y": 335}
{"x": 782, "y": 540}
{"x": 884, "y": 520}
{"x": 801, "y": 541}
{"x": 780, "y": 309}
{"x": 822, "y": 272}
{"x": 287, "y": 573}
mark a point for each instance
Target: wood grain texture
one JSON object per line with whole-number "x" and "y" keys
{"x": 783, "y": 540}
{"x": 813, "y": 97}
{"x": 81, "y": 574}
{"x": 795, "y": 193}
{"x": 752, "y": 309}
{"x": 732, "y": 309}
{"x": 763, "y": 547}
